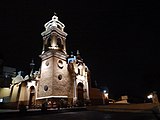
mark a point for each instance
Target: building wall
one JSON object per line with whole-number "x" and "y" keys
{"x": 24, "y": 93}
{"x": 14, "y": 93}
{"x": 58, "y": 79}
{"x": 96, "y": 96}
{"x": 4, "y": 92}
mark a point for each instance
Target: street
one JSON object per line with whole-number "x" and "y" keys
{"x": 87, "y": 115}
{"x": 142, "y": 111}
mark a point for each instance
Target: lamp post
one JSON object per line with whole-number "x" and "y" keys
{"x": 105, "y": 96}
{"x": 154, "y": 98}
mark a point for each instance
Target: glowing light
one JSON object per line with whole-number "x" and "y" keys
{"x": 1, "y": 100}
{"x": 104, "y": 91}
{"x": 150, "y": 96}
{"x": 106, "y": 95}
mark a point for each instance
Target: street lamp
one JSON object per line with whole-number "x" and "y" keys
{"x": 105, "y": 93}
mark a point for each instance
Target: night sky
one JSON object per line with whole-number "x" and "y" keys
{"x": 118, "y": 40}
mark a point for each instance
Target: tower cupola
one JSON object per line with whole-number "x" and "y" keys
{"x": 54, "y": 37}
{"x": 54, "y": 23}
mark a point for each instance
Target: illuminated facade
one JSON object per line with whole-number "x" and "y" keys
{"x": 61, "y": 76}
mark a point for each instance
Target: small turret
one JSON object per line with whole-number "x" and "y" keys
{"x": 71, "y": 58}
{"x": 32, "y": 64}
{"x": 78, "y": 55}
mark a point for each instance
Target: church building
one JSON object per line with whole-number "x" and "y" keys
{"x": 62, "y": 78}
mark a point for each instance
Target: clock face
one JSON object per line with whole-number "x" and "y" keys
{"x": 60, "y": 64}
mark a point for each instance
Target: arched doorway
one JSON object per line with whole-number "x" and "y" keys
{"x": 80, "y": 97}
{"x": 32, "y": 97}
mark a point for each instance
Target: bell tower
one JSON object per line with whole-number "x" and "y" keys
{"x": 55, "y": 82}
{"x": 54, "y": 36}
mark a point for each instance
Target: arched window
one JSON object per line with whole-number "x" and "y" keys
{"x": 59, "y": 43}
{"x": 79, "y": 71}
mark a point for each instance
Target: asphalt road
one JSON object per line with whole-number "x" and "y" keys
{"x": 86, "y": 115}
{"x": 109, "y": 112}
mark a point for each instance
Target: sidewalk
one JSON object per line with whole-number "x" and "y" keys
{"x": 110, "y": 107}
{"x": 13, "y": 111}
{"x": 144, "y": 107}
{"x": 140, "y": 108}
{"x": 9, "y": 113}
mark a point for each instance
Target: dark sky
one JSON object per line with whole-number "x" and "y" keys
{"x": 118, "y": 40}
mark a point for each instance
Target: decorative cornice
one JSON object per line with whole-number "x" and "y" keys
{"x": 53, "y": 30}
{"x": 54, "y": 53}
{"x": 45, "y": 97}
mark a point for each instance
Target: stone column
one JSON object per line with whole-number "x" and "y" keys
{"x": 87, "y": 90}
{"x": 75, "y": 92}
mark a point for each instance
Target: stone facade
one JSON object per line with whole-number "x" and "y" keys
{"x": 55, "y": 79}
{"x": 62, "y": 76}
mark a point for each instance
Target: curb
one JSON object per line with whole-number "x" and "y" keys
{"x": 17, "y": 113}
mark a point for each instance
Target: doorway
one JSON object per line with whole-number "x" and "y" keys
{"x": 32, "y": 97}
{"x": 80, "y": 97}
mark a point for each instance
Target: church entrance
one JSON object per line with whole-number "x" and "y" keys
{"x": 80, "y": 97}
{"x": 32, "y": 97}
